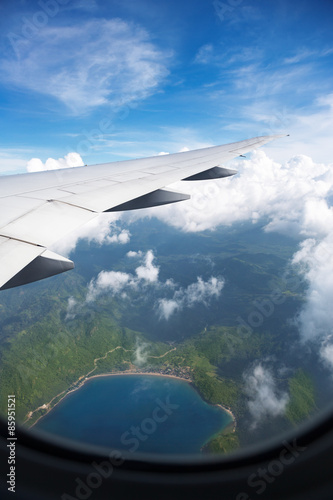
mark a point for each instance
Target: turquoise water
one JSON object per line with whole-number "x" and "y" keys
{"x": 137, "y": 413}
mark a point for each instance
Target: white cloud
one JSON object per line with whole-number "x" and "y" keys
{"x": 115, "y": 282}
{"x": 148, "y": 272}
{"x": 69, "y": 161}
{"x": 199, "y": 292}
{"x": 72, "y": 308}
{"x": 132, "y": 254}
{"x": 167, "y": 307}
{"x": 123, "y": 237}
{"x": 281, "y": 193}
{"x": 88, "y": 64}
{"x": 108, "y": 282}
{"x": 314, "y": 261}
{"x": 140, "y": 353}
{"x": 205, "y": 55}
{"x": 264, "y": 398}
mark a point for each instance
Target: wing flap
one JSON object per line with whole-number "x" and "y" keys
{"x": 212, "y": 173}
{"x": 153, "y": 199}
{"x": 43, "y": 266}
{"x": 14, "y": 256}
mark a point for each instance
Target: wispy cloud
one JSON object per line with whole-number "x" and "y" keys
{"x": 304, "y": 53}
{"x": 13, "y": 161}
{"x": 140, "y": 353}
{"x": 264, "y": 399}
{"x": 90, "y": 64}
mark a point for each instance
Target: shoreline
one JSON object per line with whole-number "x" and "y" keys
{"x": 228, "y": 410}
{"x": 130, "y": 372}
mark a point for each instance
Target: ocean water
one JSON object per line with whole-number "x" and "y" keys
{"x": 137, "y": 413}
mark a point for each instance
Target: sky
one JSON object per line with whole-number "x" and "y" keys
{"x": 128, "y": 78}
{"x": 92, "y": 81}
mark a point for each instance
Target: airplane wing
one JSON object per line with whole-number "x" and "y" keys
{"x": 37, "y": 209}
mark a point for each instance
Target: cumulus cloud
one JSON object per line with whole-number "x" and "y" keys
{"x": 265, "y": 400}
{"x": 131, "y": 254}
{"x": 148, "y": 272}
{"x": 263, "y": 189}
{"x": 115, "y": 282}
{"x": 199, "y": 292}
{"x": 69, "y": 161}
{"x": 87, "y": 64}
{"x": 108, "y": 281}
{"x": 314, "y": 260}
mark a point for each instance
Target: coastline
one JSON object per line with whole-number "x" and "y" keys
{"x": 133, "y": 372}
{"x": 234, "y": 421}
{"x": 180, "y": 373}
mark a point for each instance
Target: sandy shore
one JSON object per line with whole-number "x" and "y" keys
{"x": 133, "y": 372}
{"x": 224, "y": 408}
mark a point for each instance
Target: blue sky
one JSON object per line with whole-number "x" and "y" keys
{"x": 121, "y": 79}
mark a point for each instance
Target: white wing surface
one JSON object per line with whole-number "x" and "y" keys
{"x": 38, "y": 209}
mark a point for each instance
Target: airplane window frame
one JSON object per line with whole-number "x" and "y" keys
{"x": 51, "y": 467}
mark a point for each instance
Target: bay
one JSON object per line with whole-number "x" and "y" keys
{"x": 137, "y": 413}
